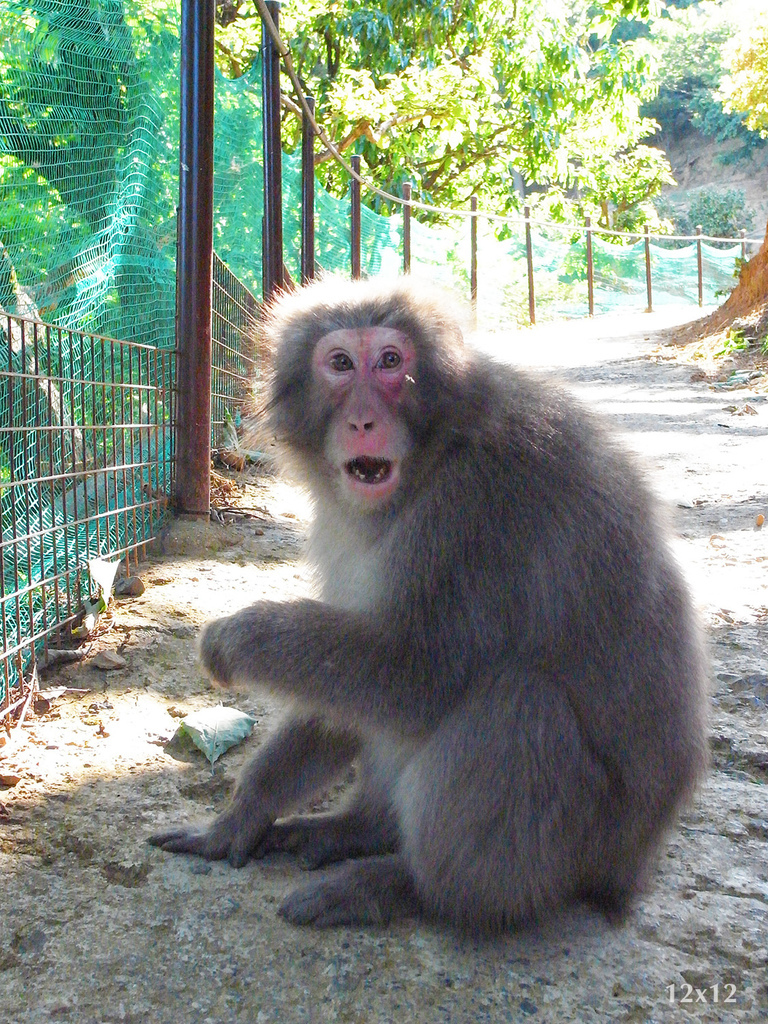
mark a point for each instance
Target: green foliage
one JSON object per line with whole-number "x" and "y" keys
{"x": 745, "y": 88}
{"x": 734, "y": 342}
{"x": 720, "y": 213}
{"x": 691, "y": 55}
{"x": 484, "y": 98}
{"x": 619, "y": 188}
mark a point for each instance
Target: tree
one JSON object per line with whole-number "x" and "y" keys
{"x": 745, "y": 87}
{"x": 476, "y": 97}
{"x": 691, "y": 46}
{"x": 745, "y": 91}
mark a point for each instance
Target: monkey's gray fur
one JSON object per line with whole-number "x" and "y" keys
{"x": 506, "y": 646}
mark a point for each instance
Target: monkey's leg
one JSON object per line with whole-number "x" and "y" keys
{"x": 370, "y": 891}
{"x": 364, "y": 827}
{"x": 288, "y": 769}
{"x": 499, "y": 816}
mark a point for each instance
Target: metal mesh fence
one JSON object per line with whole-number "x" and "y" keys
{"x": 86, "y": 470}
{"x": 234, "y": 363}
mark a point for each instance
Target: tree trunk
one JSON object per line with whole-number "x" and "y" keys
{"x": 750, "y": 296}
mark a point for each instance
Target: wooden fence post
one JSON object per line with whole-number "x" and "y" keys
{"x": 355, "y": 220}
{"x": 406, "y": 227}
{"x": 529, "y": 261}
{"x": 307, "y": 195}
{"x": 590, "y": 267}
{"x": 648, "y": 284}
{"x": 700, "y": 263}
{"x": 473, "y": 252}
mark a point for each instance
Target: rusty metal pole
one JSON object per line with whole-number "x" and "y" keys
{"x": 590, "y": 267}
{"x": 406, "y": 227}
{"x": 194, "y": 259}
{"x": 529, "y": 261}
{"x": 648, "y": 282}
{"x": 700, "y": 263}
{"x": 272, "y": 236}
{"x": 307, "y": 196}
{"x": 355, "y": 221}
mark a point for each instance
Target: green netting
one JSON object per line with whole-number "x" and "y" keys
{"x": 88, "y": 166}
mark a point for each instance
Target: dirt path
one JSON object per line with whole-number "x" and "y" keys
{"x": 98, "y": 927}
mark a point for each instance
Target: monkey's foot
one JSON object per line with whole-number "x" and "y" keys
{"x": 370, "y": 891}
{"x": 236, "y": 837}
{"x": 317, "y": 840}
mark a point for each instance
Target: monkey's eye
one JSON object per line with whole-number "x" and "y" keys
{"x": 340, "y": 362}
{"x": 390, "y": 360}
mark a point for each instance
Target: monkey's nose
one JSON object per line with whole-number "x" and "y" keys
{"x": 356, "y": 425}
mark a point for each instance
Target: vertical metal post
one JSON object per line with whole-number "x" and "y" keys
{"x": 307, "y": 196}
{"x": 406, "y": 227}
{"x": 743, "y": 235}
{"x": 529, "y": 260}
{"x": 590, "y": 267}
{"x": 272, "y": 235}
{"x": 473, "y": 250}
{"x": 194, "y": 259}
{"x": 648, "y": 283}
{"x": 355, "y": 221}
{"x": 700, "y": 264}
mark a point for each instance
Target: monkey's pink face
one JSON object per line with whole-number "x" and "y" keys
{"x": 365, "y": 372}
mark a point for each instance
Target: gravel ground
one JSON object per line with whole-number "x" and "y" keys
{"x": 96, "y": 926}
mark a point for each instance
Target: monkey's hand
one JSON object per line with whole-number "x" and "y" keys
{"x": 215, "y": 647}
{"x": 241, "y": 647}
{"x": 237, "y": 835}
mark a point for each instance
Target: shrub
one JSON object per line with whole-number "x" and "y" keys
{"x": 720, "y": 212}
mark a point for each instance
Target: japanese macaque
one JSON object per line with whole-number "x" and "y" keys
{"x": 501, "y": 638}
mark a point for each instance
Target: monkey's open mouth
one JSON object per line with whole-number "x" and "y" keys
{"x": 369, "y": 470}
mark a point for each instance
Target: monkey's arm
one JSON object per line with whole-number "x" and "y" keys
{"x": 333, "y": 660}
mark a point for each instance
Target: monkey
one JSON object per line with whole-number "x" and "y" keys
{"x": 501, "y": 641}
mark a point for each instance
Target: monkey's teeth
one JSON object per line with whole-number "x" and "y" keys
{"x": 369, "y": 469}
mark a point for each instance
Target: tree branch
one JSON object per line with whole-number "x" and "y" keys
{"x": 234, "y": 64}
{"x": 362, "y": 128}
{"x": 365, "y": 128}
